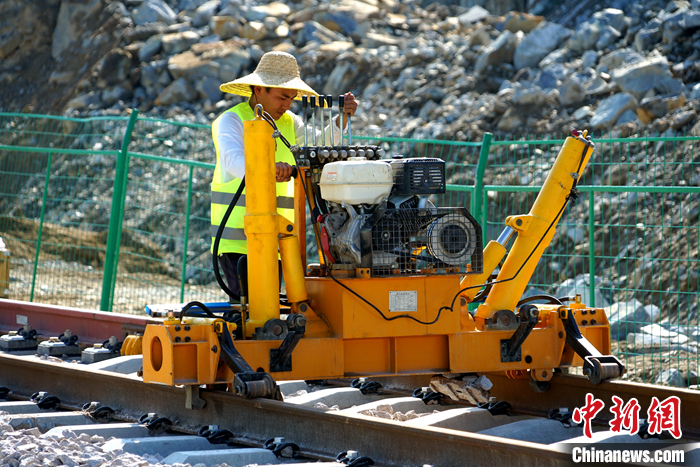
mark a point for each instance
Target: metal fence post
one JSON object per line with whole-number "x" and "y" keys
{"x": 116, "y": 217}
{"x": 591, "y": 249}
{"x": 187, "y": 235}
{"x": 41, "y": 224}
{"x": 477, "y": 199}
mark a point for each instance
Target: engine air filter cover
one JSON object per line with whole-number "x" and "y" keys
{"x": 418, "y": 176}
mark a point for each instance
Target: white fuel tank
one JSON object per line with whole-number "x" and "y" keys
{"x": 356, "y": 181}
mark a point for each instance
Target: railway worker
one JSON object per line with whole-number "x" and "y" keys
{"x": 274, "y": 84}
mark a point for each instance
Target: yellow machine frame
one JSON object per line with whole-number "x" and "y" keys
{"x": 342, "y": 336}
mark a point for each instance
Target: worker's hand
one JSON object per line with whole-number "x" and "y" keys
{"x": 283, "y": 171}
{"x": 350, "y": 104}
{"x": 350, "y": 107}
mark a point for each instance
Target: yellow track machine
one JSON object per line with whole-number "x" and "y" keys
{"x": 391, "y": 294}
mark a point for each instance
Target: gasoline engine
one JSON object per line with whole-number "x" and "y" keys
{"x": 378, "y": 215}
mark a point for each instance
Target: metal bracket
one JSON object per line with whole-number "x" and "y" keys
{"x": 529, "y": 315}
{"x": 246, "y": 382}
{"x": 192, "y": 399}
{"x": 281, "y": 358}
{"x": 596, "y": 366}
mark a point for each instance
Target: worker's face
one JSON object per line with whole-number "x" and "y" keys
{"x": 275, "y": 101}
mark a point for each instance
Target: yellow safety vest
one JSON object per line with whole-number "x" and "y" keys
{"x": 233, "y": 239}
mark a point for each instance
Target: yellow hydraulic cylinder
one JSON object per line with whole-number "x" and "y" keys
{"x": 261, "y": 224}
{"x": 292, "y": 269}
{"x": 536, "y": 229}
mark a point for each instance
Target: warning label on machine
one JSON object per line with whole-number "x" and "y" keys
{"x": 404, "y": 300}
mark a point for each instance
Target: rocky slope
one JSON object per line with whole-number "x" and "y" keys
{"x": 418, "y": 67}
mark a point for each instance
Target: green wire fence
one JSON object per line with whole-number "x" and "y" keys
{"x": 112, "y": 213}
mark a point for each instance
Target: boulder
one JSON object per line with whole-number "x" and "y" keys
{"x": 313, "y": 31}
{"x": 682, "y": 119}
{"x": 375, "y": 40}
{"x": 154, "y": 77}
{"x": 510, "y": 121}
{"x": 150, "y": 48}
{"x": 639, "y": 77}
{"x": 143, "y": 32}
{"x": 253, "y": 30}
{"x": 612, "y": 17}
{"x": 609, "y": 110}
{"x": 179, "y": 42}
{"x": 673, "y": 26}
{"x": 341, "y": 79}
{"x": 557, "y": 56}
{"x": 340, "y": 20}
{"x": 89, "y": 100}
{"x": 225, "y": 27}
{"x": 193, "y": 67}
{"x": 608, "y": 37}
{"x": 275, "y": 9}
{"x": 572, "y": 91}
{"x": 208, "y": 88}
{"x": 627, "y": 318}
{"x": 152, "y": 11}
{"x": 628, "y": 116}
{"x": 646, "y": 38}
{"x": 116, "y": 94}
{"x": 582, "y": 113}
{"x": 655, "y": 107}
{"x": 671, "y": 377}
{"x": 178, "y": 91}
{"x": 585, "y": 37}
{"x": 589, "y": 58}
{"x": 532, "y": 96}
{"x": 190, "y": 5}
{"x": 499, "y": 51}
{"x": 547, "y": 79}
{"x": 473, "y": 15}
{"x": 538, "y": 44}
{"x": 114, "y": 67}
{"x": 517, "y": 21}
{"x": 618, "y": 58}
{"x": 204, "y": 13}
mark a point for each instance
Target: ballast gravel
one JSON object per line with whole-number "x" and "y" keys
{"x": 30, "y": 448}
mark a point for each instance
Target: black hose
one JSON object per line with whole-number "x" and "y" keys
{"x": 549, "y": 298}
{"x": 201, "y": 305}
{"x": 217, "y": 240}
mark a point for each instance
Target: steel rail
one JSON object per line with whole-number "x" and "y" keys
{"x": 570, "y": 391}
{"x": 387, "y": 442}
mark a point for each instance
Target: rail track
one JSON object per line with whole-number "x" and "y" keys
{"x": 324, "y": 421}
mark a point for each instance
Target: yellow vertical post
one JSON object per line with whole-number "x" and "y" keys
{"x": 533, "y": 236}
{"x": 261, "y": 224}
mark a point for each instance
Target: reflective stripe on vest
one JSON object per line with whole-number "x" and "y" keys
{"x": 218, "y": 197}
{"x": 233, "y": 239}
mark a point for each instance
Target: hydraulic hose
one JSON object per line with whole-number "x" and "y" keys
{"x": 217, "y": 240}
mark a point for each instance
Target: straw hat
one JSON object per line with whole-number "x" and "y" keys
{"x": 275, "y": 70}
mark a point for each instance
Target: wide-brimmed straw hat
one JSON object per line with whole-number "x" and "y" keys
{"x": 275, "y": 70}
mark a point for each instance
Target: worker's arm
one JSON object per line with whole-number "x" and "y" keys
{"x": 231, "y": 153}
{"x": 230, "y": 144}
